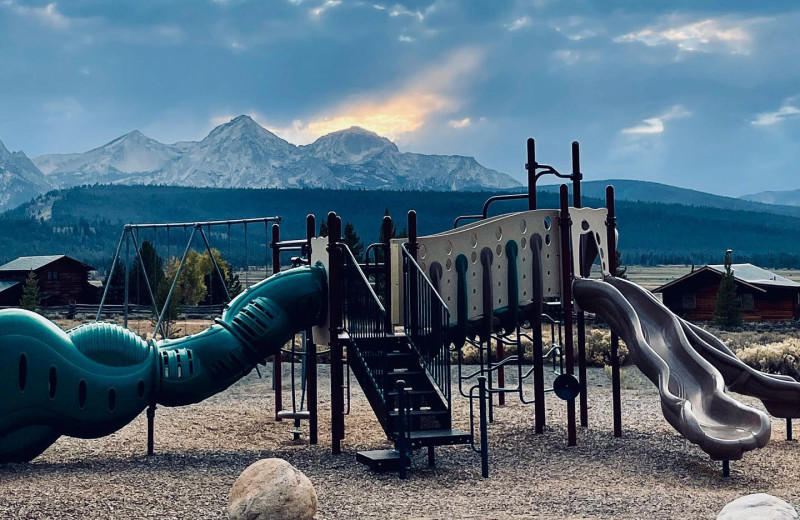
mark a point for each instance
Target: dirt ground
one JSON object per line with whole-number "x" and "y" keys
{"x": 651, "y": 472}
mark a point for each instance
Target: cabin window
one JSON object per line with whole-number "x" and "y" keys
{"x": 688, "y": 301}
{"x": 52, "y": 275}
{"x": 748, "y": 304}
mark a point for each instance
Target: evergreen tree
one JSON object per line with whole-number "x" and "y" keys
{"x": 352, "y": 241}
{"x": 30, "y": 293}
{"x": 116, "y": 285}
{"x": 153, "y": 268}
{"x": 728, "y": 312}
{"x": 323, "y": 229}
{"x": 233, "y": 284}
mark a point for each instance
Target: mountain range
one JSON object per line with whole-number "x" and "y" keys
{"x": 788, "y": 197}
{"x": 243, "y": 154}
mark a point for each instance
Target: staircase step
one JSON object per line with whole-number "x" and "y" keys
{"x": 393, "y": 393}
{"x": 443, "y": 437}
{"x": 421, "y": 413}
{"x": 380, "y": 460}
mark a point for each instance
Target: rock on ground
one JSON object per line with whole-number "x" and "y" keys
{"x": 759, "y": 505}
{"x": 272, "y": 489}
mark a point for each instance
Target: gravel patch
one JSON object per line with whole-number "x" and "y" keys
{"x": 651, "y": 472}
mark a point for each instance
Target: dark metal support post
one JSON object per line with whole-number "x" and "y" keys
{"x": 400, "y": 386}
{"x": 531, "y": 167}
{"x": 611, "y": 243}
{"x": 277, "y": 359}
{"x": 581, "y": 317}
{"x": 335, "y": 312}
{"x": 388, "y": 228}
{"x": 151, "y": 414}
{"x": 311, "y": 356}
{"x": 127, "y": 280}
{"x": 501, "y": 372}
{"x": 726, "y": 468}
{"x": 789, "y": 429}
{"x": 413, "y": 248}
{"x": 537, "y": 296}
{"x": 565, "y": 222}
{"x": 484, "y": 426}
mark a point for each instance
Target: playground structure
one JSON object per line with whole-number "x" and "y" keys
{"x": 489, "y": 283}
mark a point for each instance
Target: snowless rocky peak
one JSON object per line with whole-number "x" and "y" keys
{"x": 351, "y": 146}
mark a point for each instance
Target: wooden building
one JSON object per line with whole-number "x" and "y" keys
{"x": 764, "y": 295}
{"x": 62, "y": 280}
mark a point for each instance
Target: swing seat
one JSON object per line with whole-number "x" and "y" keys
{"x": 289, "y": 414}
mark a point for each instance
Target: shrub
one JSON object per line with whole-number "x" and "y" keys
{"x": 598, "y": 349}
{"x": 775, "y": 358}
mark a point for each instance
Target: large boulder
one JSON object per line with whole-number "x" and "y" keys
{"x": 759, "y": 506}
{"x": 272, "y": 489}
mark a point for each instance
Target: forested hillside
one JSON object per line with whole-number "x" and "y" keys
{"x": 86, "y": 222}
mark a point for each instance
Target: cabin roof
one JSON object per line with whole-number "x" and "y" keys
{"x": 749, "y": 275}
{"x": 32, "y": 263}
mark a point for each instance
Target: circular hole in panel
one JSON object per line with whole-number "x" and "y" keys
{"x": 498, "y": 233}
{"x": 112, "y": 399}
{"x": 499, "y": 284}
{"x": 523, "y": 243}
{"x": 548, "y": 255}
{"x": 547, "y": 239}
{"x": 602, "y": 254}
{"x": 82, "y": 393}
{"x": 499, "y": 250}
{"x": 548, "y": 289}
{"x": 140, "y": 389}
{"x": 473, "y": 239}
{"x": 548, "y": 273}
{"x": 584, "y": 225}
{"x": 448, "y": 265}
{"x": 448, "y": 298}
{"x": 474, "y": 258}
{"x": 524, "y": 293}
{"x": 423, "y": 251}
{"x": 474, "y": 291}
{"x": 22, "y": 374}
{"x": 474, "y": 307}
{"x": 499, "y": 300}
{"x": 52, "y": 381}
{"x": 604, "y": 266}
{"x": 597, "y": 238}
{"x": 448, "y": 281}
{"x": 448, "y": 248}
{"x": 524, "y": 276}
{"x": 523, "y": 225}
{"x": 474, "y": 274}
{"x": 547, "y": 222}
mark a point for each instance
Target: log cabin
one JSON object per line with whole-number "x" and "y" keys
{"x": 62, "y": 280}
{"x": 763, "y": 295}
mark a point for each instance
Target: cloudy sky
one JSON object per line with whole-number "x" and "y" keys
{"x": 704, "y": 95}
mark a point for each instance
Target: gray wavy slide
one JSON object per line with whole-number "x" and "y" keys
{"x": 692, "y": 390}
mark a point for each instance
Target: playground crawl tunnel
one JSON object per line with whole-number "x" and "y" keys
{"x": 92, "y": 380}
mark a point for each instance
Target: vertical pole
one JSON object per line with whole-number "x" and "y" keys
{"x": 151, "y": 415}
{"x": 311, "y": 355}
{"x": 726, "y": 468}
{"x": 531, "y": 166}
{"x": 611, "y": 258}
{"x": 400, "y": 386}
{"x": 565, "y": 222}
{"x": 277, "y": 359}
{"x": 581, "y": 317}
{"x": 484, "y": 426}
{"x": 789, "y": 429}
{"x": 501, "y": 373}
{"x": 335, "y": 312}
{"x": 412, "y": 285}
{"x": 537, "y": 296}
{"x": 127, "y": 279}
{"x": 388, "y": 228}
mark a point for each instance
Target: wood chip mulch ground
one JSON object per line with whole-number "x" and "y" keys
{"x": 651, "y": 472}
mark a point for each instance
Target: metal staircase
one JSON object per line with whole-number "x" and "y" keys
{"x": 405, "y": 376}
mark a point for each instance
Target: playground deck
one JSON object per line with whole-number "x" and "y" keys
{"x": 651, "y": 472}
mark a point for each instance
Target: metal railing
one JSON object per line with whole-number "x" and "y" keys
{"x": 364, "y": 319}
{"x": 426, "y": 321}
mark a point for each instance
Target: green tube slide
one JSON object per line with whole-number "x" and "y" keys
{"x": 93, "y": 380}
